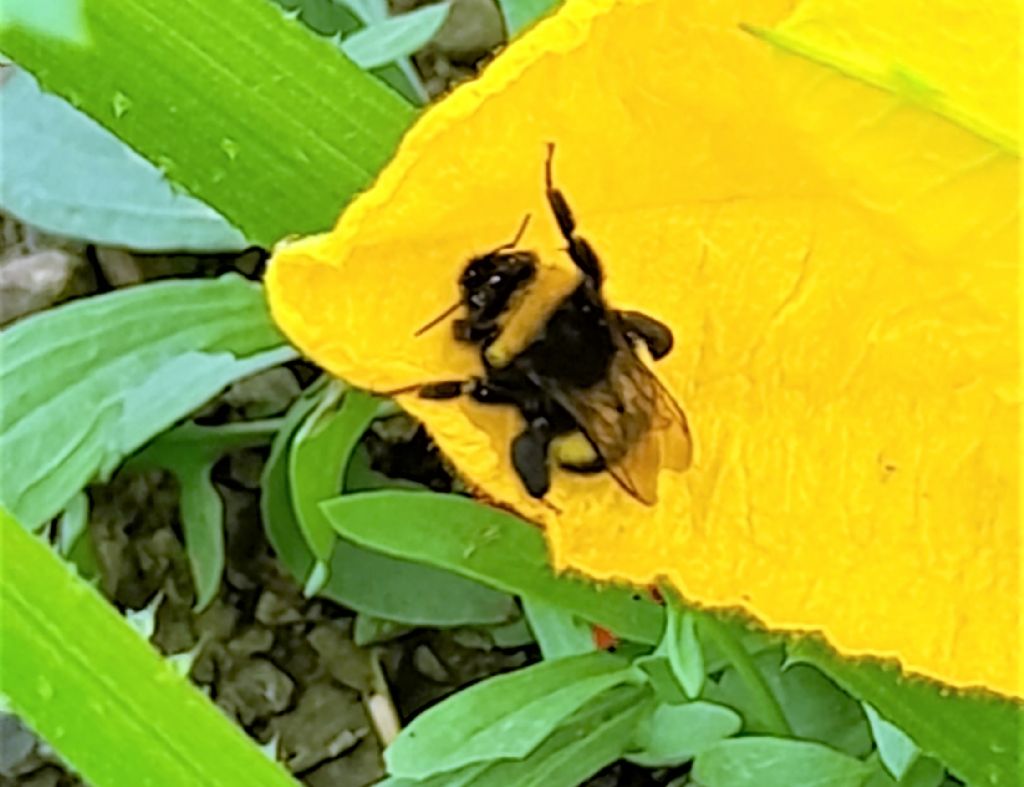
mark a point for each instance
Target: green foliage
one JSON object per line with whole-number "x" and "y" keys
{"x": 386, "y": 40}
{"x": 82, "y": 678}
{"x": 504, "y": 717}
{"x": 674, "y": 734}
{"x": 558, "y": 632}
{"x": 490, "y": 546}
{"x": 776, "y": 762}
{"x": 976, "y": 735}
{"x": 278, "y": 127}
{"x": 64, "y": 173}
{"x": 88, "y": 383}
{"x": 60, "y": 19}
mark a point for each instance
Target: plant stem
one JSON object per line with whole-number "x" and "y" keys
{"x": 762, "y": 694}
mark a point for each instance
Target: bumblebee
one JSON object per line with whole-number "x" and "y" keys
{"x": 569, "y": 364}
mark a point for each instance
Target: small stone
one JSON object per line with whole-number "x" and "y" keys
{"x": 263, "y": 394}
{"x": 35, "y": 281}
{"x": 274, "y": 610}
{"x": 256, "y": 690}
{"x": 252, "y": 640}
{"x": 429, "y": 665}
{"x": 120, "y": 268}
{"x": 358, "y": 768}
{"x": 344, "y": 660}
{"x": 473, "y": 28}
{"x": 16, "y": 744}
{"x": 326, "y": 722}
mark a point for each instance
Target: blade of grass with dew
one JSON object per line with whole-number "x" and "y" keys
{"x": 75, "y": 671}
{"x": 490, "y": 546}
{"x": 289, "y": 129}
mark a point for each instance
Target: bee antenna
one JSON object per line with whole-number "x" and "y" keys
{"x": 547, "y": 166}
{"x": 446, "y": 313}
{"x": 519, "y": 234}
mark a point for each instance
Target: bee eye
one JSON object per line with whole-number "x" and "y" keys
{"x": 495, "y": 279}
{"x": 477, "y": 299}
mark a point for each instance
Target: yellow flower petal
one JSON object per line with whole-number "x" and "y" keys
{"x": 822, "y": 203}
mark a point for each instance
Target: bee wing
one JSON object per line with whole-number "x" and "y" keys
{"x": 633, "y": 422}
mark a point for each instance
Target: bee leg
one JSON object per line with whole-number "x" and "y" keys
{"x": 579, "y": 250}
{"x": 656, "y": 335}
{"x": 530, "y": 457}
{"x": 447, "y": 389}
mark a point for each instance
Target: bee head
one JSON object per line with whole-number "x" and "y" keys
{"x": 491, "y": 280}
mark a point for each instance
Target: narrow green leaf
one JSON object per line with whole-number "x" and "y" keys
{"x": 976, "y": 735}
{"x": 683, "y": 649}
{"x": 279, "y": 522}
{"x": 776, "y": 762}
{"x": 589, "y": 740}
{"x": 895, "y": 748}
{"x": 504, "y": 716}
{"x": 283, "y": 110}
{"x": 73, "y": 540}
{"x": 756, "y": 688}
{"x": 119, "y": 369}
{"x": 90, "y": 686}
{"x": 320, "y": 453}
{"x": 73, "y": 523}
{"x": 410, "y": 593}
{"x": 675, "y": 734}
{"x": 520, "y": 14}
{"x": 61, "y": 19}
{"x": 814, "y": 707}
{"x": 487, "y": 545}
{"x": 558, "y": 632}
{"x": 202, "y": 519}
{"x": 396, "y": 37}
{"x": 66, "y": 174}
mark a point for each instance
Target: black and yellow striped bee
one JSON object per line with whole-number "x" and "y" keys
{"x": 569, "y": 364}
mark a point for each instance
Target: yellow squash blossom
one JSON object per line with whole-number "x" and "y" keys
{"x": 821, "y": 199}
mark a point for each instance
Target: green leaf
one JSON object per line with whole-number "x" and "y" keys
{"x": 487, "y": 545}
{"x": 776, "y": 762}
{"x": 674, "y": 734}
{"x": 399, "y": 36}
{"x": 592, "y": 738}
{"x": 814, "y": 707}
{"x": 320, "y": 453}
{"x": 73, "y": 540}
{"x": 66, "y": 174}
{"x": 520, "y": 14}
{"x": 504, "y": 716}
{"x": 976, "y": 735}
{"x": 202, "y": 519}
{"x": 279, "y": 521}
{"x": 87, "y": 683}
{"x": 87, "y": 384}
{"x": 61, "y": 19}
{"x": 410, "y": 593}
{"x": 683, "y": 649}
{"x": 895, "y": 748}
{"x": 283, "y": 111}
{"x": 401, "y": 74}
{"x": 558, "y": 632}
